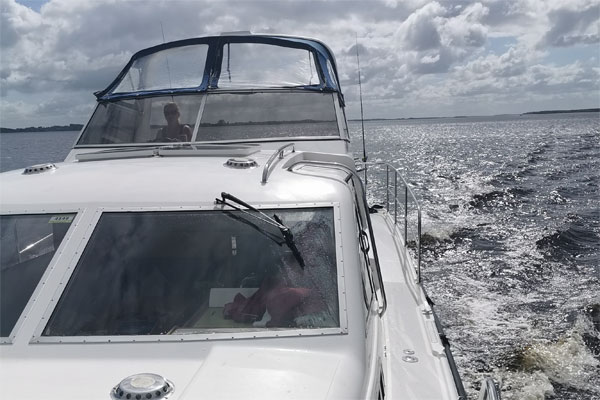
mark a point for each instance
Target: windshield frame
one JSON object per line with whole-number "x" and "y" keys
{"x": 48, "y": 277}
{"x": 343, "y": 133}
{"x": 85, "y": 235}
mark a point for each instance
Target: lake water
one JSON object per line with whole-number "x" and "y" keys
{"x": 511, "y": 223}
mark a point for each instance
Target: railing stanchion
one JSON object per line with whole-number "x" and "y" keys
{"x": 405, "y": 215}
{"x": 407, "y": 191}
{"x": 395, "y": 197}
{"x": 387, "y": 188}
{"x": 419, "y": 245}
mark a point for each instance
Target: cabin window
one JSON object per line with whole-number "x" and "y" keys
{"x": 256, "y": 65}
{"x": 178, "y": 67}
{"x": 267, "y": 115}
{"x": 140, "y": 120}
{"x": 158, "y": 273}
{"x": 27, "y": 243}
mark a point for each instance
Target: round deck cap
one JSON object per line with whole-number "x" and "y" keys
{"x": 241, "y": 163}
{"x": 143, "y": 386}
{"x": 39, "y": 168}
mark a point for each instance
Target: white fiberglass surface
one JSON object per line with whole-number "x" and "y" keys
{"x": 251, "y": 65}
{"x": 226, "y": 116}
{"x": 179, "y": 67}
{"x": 160, "y": 273}
{"x": 27, "y": 243}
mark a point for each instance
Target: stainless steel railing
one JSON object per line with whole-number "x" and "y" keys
{"x": 489, "y": 390}
{"x": 278, "y": 153}
{"x": 407, "y": 202}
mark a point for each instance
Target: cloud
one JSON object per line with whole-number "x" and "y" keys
{"x": 434, "y": 37}
{"x": 571, "y": 26}
{"x": 428, "y": 53}
{"x": 15, "y": 22}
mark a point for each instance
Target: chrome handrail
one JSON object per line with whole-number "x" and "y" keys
{"x": 278, "y": 152}
{"x": 353, "y": 173}
{"x": 489, "y": 390}
{"x": 396, "y": 203}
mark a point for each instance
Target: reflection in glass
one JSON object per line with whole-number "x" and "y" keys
{"x": 268, "y": 115}
{"x": 137, "y": 120}
{"x": 226, "y": 116}
{"x": 27, "y": 244}
{"x": 193, "y": 272}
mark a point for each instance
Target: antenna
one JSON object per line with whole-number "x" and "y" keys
{"x": 362, "y": 120}
{"x": 168, "y": 69}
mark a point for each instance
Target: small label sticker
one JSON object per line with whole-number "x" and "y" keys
{"x": 61, "y": 219}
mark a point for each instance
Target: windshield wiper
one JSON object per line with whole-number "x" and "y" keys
{"x": 275, "y": 221}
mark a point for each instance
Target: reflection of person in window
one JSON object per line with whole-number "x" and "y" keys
{"x": 174, "y": 131}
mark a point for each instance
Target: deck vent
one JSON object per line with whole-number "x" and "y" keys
{"x": 142, "y": 386}
{"x": 39, "y": 168}
{"x": 241, "y": 163}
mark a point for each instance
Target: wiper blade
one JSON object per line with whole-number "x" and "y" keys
{"x": 275, "y": 221}
{"x": 243, "y": 220}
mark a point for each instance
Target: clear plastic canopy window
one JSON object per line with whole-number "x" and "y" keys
{"x": 247, "y": 65}
{"x": 179, "y": 67}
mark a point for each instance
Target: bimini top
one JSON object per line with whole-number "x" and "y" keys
{"x": 230, "y": 88}
{"x": 230, "y": 61}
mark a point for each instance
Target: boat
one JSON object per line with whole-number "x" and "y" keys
{"x": 209, "y": 236}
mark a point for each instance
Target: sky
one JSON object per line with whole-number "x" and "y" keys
{"x": 418, "y": 58}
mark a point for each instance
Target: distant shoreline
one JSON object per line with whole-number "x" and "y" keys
{"x": 78, "y": 127}
{"x": 54, "y": 128}
{"x": 581, "y": 110}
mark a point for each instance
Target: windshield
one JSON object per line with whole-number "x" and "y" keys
{"x": 226, "y": 116}
{"x": 27, "y": 244}
{"x": 180, "y": 67}
{"x": 154, "y": 273}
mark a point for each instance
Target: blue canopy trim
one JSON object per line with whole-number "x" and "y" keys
{"x": 212, "y": 69}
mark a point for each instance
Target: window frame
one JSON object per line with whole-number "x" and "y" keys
{"x": 45, "y": 280}
{"x": 209, "y": 335}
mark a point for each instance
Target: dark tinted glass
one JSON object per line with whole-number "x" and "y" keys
{"x": 27, "y": 244}
{"x": 184, "y": 272}
{"x": 267, "y": 115}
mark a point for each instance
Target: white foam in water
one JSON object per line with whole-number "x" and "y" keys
{"x": 490, "y": 190}
{"x": 525, "y": 386}
{"x": 566, "y": 361}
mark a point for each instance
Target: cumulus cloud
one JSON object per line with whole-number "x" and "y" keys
{"x": 434, "y": 37}
{"x": 429, "y": 54}
{"x": 574, "y": 25}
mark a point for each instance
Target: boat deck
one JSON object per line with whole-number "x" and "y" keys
{"x": 416, "y": 349}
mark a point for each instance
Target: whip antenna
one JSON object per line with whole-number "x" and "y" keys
{"x": 362, "y": 121}
{"x": 168, "y": 69}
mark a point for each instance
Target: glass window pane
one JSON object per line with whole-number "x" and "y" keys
{"x": 154, "y": 119}
{"x": 267, "y": 115}
{"x": 263, "y": 65}
{"x": 180, "y": 67}
{"x": 184, "y": 272}
{"x": 27, "y": 243}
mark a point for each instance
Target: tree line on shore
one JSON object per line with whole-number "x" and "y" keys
{"x": 53, "y": 128}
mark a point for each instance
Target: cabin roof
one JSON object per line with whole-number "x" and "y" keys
{"x": 166, "y": 182}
